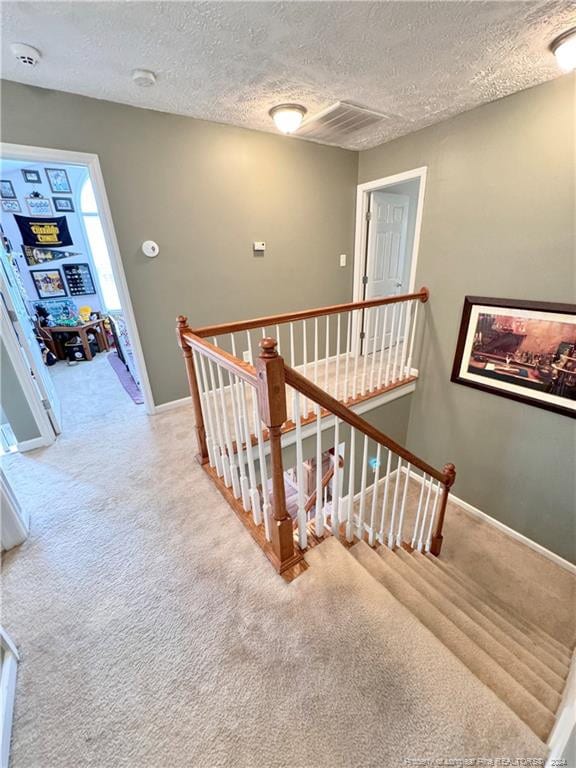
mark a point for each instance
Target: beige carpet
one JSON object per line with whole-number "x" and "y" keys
{"x": 154, "y": 633}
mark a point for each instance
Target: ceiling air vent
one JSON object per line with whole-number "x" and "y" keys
{"x": 338, "y": 122}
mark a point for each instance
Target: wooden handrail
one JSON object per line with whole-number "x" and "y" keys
{"x": 238, "y": 367}
{"x": 312, "y": 392}
{"x": 325, "y": 480}
{"x": 261, "y": 322}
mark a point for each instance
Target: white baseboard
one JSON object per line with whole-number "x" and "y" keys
{"x": 565, "y": 720}
{"x": 568, "y": 566}
{"x": 172, "y": 404}
{"x": 7, "y": 695}
{"x": 31, "y": 445}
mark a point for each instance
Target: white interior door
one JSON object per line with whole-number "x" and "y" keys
{"x": 386, "y": 258}
{"x": 14, "y": 312}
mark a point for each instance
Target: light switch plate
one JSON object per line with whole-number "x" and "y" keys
{"x": 342, "y": 259}
{"x": 259, "y": 246}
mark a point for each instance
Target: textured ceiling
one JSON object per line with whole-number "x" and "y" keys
{"x": 417, "y": 62}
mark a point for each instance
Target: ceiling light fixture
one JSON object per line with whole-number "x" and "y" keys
{"x": 288, "y": 117}
{"x": 144, "y": 78}
{"x": 564, "y": 48}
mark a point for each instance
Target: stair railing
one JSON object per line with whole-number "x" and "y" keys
{"x": 243, "y": 412}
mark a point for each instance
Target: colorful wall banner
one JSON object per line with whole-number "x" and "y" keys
{"x": 44, "y": 232}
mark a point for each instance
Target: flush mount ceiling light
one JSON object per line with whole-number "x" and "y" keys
{"x": 144, "y": 78}
{"x": 25, "y": 54}
{"x": 287, "y": 117}
{"x": 564, "y": 48}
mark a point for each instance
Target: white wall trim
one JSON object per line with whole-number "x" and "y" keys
{"x": 32, "y": 445}
{"x": 7, "y": 695}
{"x": 91, "y": 161}
{"x": 560, "y": 561}
{"x": 565, "y": 720}
{"x": 173, "y": 404}
{"x": 362, "y": 200}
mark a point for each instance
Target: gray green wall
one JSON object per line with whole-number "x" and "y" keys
{"x": 13, "y": 399}
{"x": 498, "y": 221}
{"x": 204, "y": 192}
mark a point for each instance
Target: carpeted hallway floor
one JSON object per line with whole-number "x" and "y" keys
{"x": 154, "y": 634}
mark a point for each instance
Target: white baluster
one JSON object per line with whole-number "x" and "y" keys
{"x": 315, "y": 350}
{"x": 254, "y": 495}
{"x": 371, "y": 531}
{"x": 361, "y": 511}
{"x": 385, "y": 497}
{"x": 205, "y": 407}
{"x": 278, "y": 339}
{"x": 432, "y": 516}
{"x": 374, "y": 346}
{"x": 263, "y": 470}
{"x": 302, "y": 530}
{"x": 424, "y": 516}
{"x": 348, "y": 351}
{"x": 244, "y": 486}
{"x": 336, "y": 483}
{"x": 228, "y": 440}
{"x": 400, "y": 529}
{"x": 291, "y": 345}
{"x": 419, "y": 510}
{"x": 383, "y": 348}
{"x": 305, "y": 363}
{"x": 412, "y": 337}
{"x": 338, "y": 333}
{"x": 351, "y": 466}
{"x": 250, "y": 354}
{"x": 406, "y": 339}
{"x": 366, "y": 348}
{"x": 327, "y": 353}
{"x": 389, "y": 351}
{"x": 397, "y": 345}
{"x": 319, "y": 517}
{"x": 221, "y": 443}
{"x": 356, "y": 355}
{"x": 394, "y": 504}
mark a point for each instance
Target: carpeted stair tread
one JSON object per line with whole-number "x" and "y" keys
{"x": 519, "y": 700}
{"x": 546, "y": 666}
{"x": 546, "y": 641}
{"x": 502, "y": 654}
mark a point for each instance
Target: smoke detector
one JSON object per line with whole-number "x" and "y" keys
{"x": 25, "y": 54}
{"x": 144, "y": 78}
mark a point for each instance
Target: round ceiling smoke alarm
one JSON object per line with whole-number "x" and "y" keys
{"x": 25, "y": 54}
{"x": 144, "y": 78}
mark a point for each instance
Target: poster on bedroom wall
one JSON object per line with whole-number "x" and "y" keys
{"x": 523, "y": 350}
{"x": 35, "y": 256}
{"x": 44, "y": 232}
{"x": 49, "y": 284}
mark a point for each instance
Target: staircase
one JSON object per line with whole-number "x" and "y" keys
{"x": 523, "y": 665}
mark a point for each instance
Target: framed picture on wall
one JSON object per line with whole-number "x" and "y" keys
{"x": 523, "y": 350}
{"x": 31, "y": 176}
{"x": 11, "y": 206}
{"x": 63, "y": 204}
{"x": 79, "y": 279}
{"x": 49, "y": 283}
{"x": 39, "y": 206}
{"x": 58, "y": 180}
{"x": 7, "y": 190}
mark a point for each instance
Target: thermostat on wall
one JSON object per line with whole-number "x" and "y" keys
{"x": 259, "y": 246}
{"x": 150, "y": 248}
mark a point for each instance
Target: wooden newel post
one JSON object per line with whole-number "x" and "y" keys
{"x": 181, "y": 326}
{"x": 449, "y": 471}
{"x": 272, "y": 407}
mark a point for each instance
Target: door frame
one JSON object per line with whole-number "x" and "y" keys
{"x": 361, "y": 230}
{"x": 91, "y": 161}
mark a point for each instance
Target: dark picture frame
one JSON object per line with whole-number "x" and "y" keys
{"x": 7, "y": 190}
{"x": 522, "y": 350}
{"x": 49, "y": 283}
{"x": 11, "y": 206}
{"x": 79, "y": 279}
{"x": 31, "y": 176}
{"x": 58, "y": 180}
{"x": 63, "y": 204}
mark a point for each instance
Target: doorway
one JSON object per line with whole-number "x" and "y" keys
{"x": 69, "y": 319}
{"x": 388, "y": 223}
